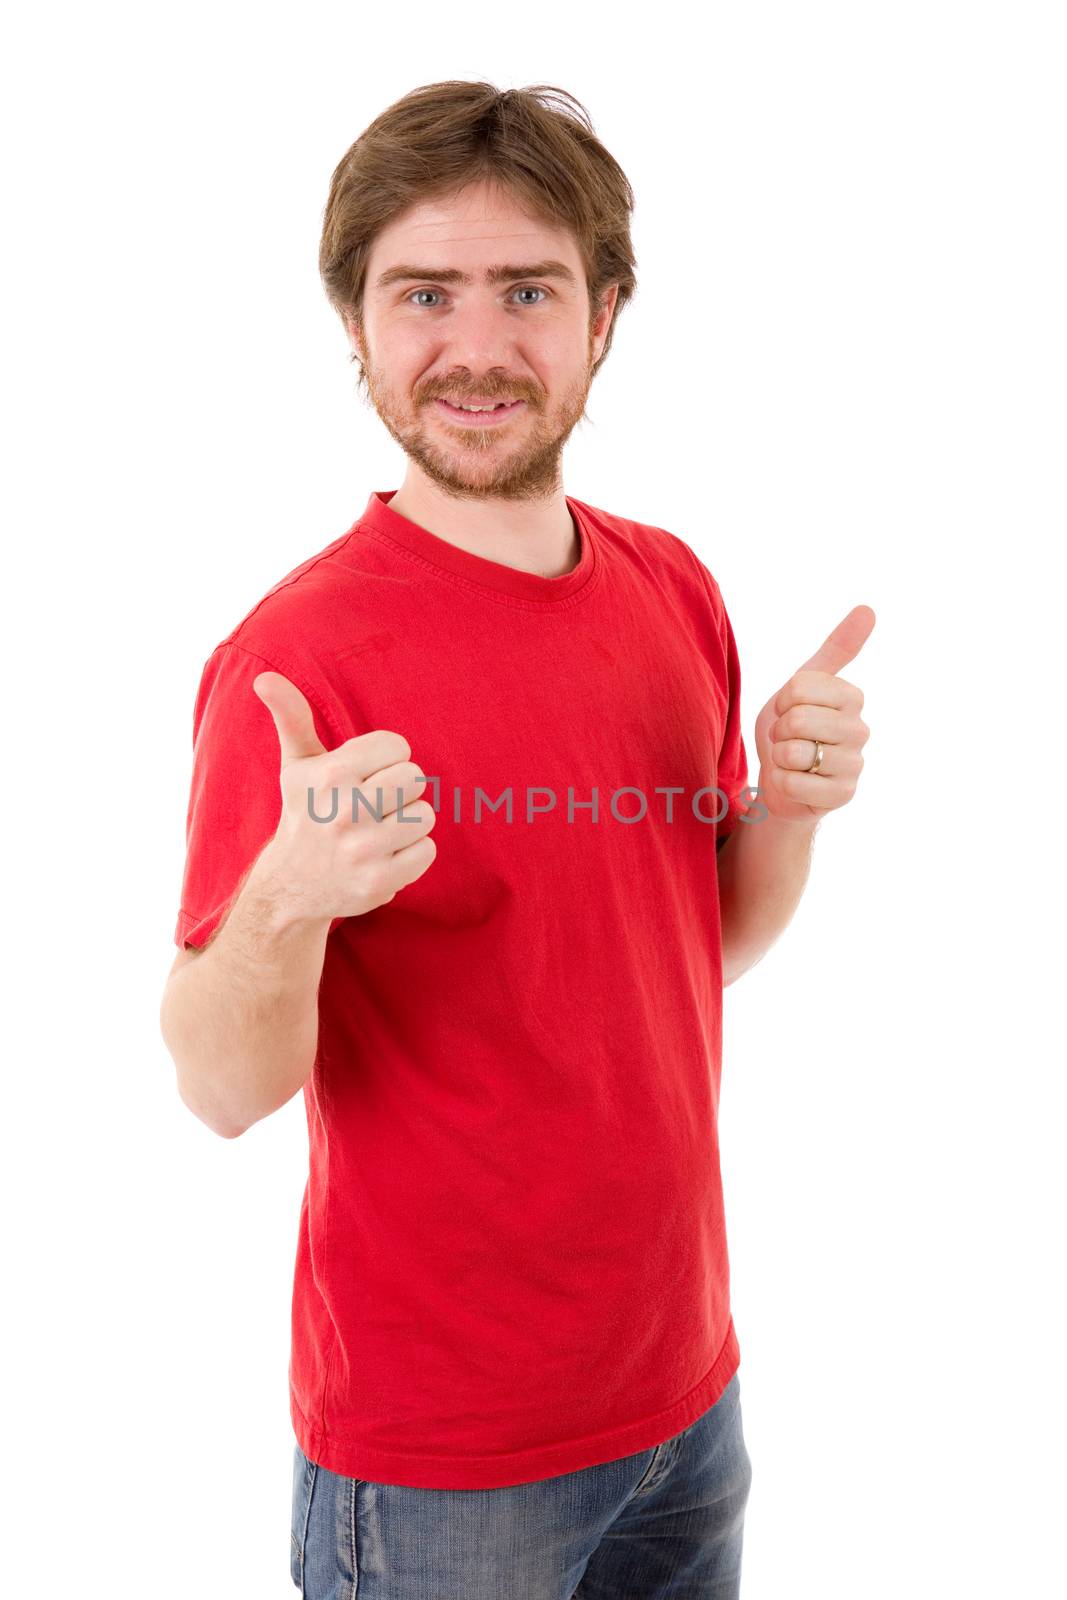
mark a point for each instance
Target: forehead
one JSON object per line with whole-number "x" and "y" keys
{"x": 481, "y": 228}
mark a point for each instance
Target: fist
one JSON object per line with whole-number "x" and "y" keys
{"x": 365, "y": 853}
{"x": 816, "y": 708}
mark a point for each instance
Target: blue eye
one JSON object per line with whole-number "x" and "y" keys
{"x": 525, "y": 288}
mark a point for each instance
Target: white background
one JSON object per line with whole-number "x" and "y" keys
{"x": 842, "y": 380}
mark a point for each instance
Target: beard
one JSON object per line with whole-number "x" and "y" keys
{"x": 515, "y": 460}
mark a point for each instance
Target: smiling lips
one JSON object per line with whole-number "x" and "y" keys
{"x": 501, "y": 410}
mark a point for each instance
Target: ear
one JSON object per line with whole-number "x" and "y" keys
{"x": 353, "y": 334}
{"x": 603, "y": 319}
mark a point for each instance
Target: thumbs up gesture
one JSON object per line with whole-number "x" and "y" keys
{"x": 343, "y": 867}
{"x": 815, "y": 717}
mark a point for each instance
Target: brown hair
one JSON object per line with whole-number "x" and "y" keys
{"x": 442, "y": 137}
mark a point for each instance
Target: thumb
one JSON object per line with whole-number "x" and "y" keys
{"x": 846, "y": 641}
{"x": 293, "y": 717}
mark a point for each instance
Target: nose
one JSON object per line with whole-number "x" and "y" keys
{"x": 481, "y": 337}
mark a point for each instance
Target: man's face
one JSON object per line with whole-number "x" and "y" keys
{"x": 525, "y": 338}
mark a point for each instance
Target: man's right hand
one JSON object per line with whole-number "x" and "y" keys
{"x": 343, "y": 868}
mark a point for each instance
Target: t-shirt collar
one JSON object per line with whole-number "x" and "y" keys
{"x": 381, "y": 519}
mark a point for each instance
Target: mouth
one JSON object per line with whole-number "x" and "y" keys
{"x": 480, "y": 419}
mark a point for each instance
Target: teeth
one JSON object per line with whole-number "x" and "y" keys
{"x": 460, "y": 407}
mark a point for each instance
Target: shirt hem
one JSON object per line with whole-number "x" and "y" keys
{"x": 346, "y": 1456}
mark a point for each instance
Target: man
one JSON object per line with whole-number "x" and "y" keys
{"x": 459, "y": 784}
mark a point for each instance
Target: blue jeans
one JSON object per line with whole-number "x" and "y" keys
{"x": 665, "y": 1524}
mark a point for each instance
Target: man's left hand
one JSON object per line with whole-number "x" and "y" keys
{"x": 815, "y": 704}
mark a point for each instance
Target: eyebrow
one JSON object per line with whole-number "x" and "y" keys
{"x": 537, "y": 269}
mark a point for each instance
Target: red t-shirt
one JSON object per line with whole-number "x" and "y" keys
{"x": 511, "y": 1260}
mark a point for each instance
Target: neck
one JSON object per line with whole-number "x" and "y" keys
{"x": 537, "y": 536}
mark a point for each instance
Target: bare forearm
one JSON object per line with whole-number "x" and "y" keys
{"x": 762, "y": 870}
{"x": 241, "y": 1018}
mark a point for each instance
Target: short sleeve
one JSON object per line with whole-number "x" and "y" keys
{"x": 732, "y": 764}
{"x": 732, "y": 776}
{"x": 235, "y": 798}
